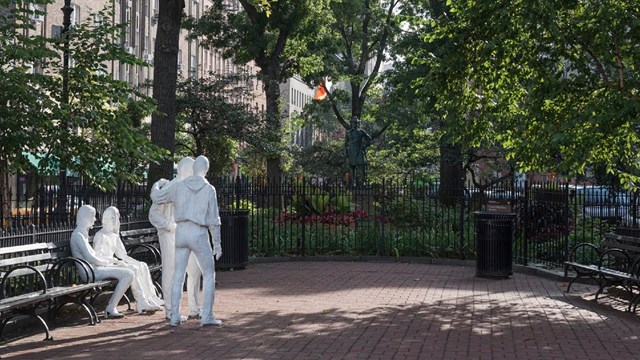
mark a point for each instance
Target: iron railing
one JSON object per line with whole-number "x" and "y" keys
{"x": 41, "y": 202}
{"x": 311, "y": 216}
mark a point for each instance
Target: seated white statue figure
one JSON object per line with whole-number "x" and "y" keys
{"x": 103, "y": 268}
{"x": 161, "y": 217}
{"x": 107, "y": 244}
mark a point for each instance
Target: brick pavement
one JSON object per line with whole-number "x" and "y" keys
{"x": 364, "y": 310}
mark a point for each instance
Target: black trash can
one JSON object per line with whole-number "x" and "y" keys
{"x": 235, "y": 239}
{"x": 494, "y": 239}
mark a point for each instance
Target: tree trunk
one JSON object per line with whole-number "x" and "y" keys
{"x": 165, "y": 75}
{"x": 451, "y": 174}
{"x": 4, "y": 198}
{"x": 274, "y": 122}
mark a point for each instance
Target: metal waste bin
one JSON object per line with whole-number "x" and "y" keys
{"x": 494, "y": 239}
{"x": 235, "y": 239}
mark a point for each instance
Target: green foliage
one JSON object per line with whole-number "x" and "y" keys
{"x": 552, "y": 82}
{"x": 588, "y": 230}
{"x": 342, "y": 203}
{"x": 407, "y": 228}
{"x": 25, "y": 126}
{"x": 244, "y": 204}
{"x": 352, "y": 51}
{"x": 275, "y": 42}
{"x": 211, "y": 124}
{"x": 323, "y": 159}
{"x": 308, "y": 200}
{"x": 93, "y": 132}
{"x": 310, "y": 204}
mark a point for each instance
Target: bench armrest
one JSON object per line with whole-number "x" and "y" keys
{"x": 80, "y": 265}
{"x": 155, "y": 253}
{"x": 6, "y": 277}
{"x": 584, "y": 248}
{"x": 622, "y": 260}
{"x": 634, "y": 270}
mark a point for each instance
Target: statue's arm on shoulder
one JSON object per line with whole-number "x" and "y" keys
{"x": 161, "y": 191}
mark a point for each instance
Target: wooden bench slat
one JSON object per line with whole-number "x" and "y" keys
{"x": 33, "y": 247}
{"x": 23, "y": 300}
{"x": 24, "y": 248}
{"x": 621, "y": 237}
{"x": 22, "y": 272}
{"x": 629, "y": 248}
{"x": 138, "y": 232}
{"x": 32, "y": 258}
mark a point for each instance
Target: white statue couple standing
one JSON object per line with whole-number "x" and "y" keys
{"x": 194, "y": 207}
{"x": 161, "y": 217}
{"x": 109, "y": 260}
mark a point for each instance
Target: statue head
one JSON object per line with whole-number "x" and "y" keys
{"x": 201, "y": 166}
{"x": 86, "y": 216}
{"x": 111, "y": 219}
{"x": 185, "y": 168}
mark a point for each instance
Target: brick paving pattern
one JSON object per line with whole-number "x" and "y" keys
{"x": 363, "y": 310}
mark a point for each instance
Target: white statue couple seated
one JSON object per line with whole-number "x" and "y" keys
{"x": 185, "y": 211}
{"x": 109, "y": 260}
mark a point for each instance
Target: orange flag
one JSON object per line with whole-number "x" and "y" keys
{"x": 321, "y": 92}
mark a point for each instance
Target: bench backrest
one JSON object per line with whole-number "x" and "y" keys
{"x": 629, "y": 244}
{"x": 620, "y": 252}
{"x": 139, "y": 236}
{"x": 31, "y": 258}
{"x": 21, "y": 266}
{"x": 139, "y": 241}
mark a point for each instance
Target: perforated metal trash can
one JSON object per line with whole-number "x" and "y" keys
{"x": 494, "y": 239}
{"x": 235, "y": 239}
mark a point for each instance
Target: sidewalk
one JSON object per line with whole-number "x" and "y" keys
{"x": 364, "y": 310}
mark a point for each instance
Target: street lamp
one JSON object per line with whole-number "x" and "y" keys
{"x": 67, "y": 9}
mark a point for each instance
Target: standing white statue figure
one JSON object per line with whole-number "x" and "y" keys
{"x": 103, "y": 268}
{"x": 195, "y": 209}
{"x": 161, "y": 217}
{"x": 108, "y": 245}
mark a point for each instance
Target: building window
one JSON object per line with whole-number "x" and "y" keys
{"x": 75, "y": 15}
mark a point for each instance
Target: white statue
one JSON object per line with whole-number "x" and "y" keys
{"x": 103, "y": 268}
{"x": 161, "y": 217}
{"x": 108, "y": 245}
{"x": 195, "y": 209}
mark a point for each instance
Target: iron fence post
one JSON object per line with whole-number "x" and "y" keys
{"x": 565, "y": 237}
{"x": 461, "y": 223}
{"x": 525, "y": 233}
{"x": 304, "y": 225}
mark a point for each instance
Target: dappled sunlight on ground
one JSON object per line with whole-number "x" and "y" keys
{"x": 324, "y": 310}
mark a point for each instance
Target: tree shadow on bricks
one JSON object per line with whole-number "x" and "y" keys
{"x": 463, "y": 327}
{"x": 364, "y": 310}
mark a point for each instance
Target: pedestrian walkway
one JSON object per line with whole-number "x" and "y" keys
{"x": 364, "y": 310}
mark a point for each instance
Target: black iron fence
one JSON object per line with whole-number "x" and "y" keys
{"x": 43, "y": 203}
{"x": 419, "y": 218}
{"x": 310, "y": 216}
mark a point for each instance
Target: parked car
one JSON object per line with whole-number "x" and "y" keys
{"x": 605, "y": 203}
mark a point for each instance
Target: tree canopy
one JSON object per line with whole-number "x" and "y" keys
{"x": 354, "y": 49}
{"x": 553, "y": 82}
{"x": 93, "y": 132}
{"x": 214, "y": 120}
{"x": 274, "y": 40}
